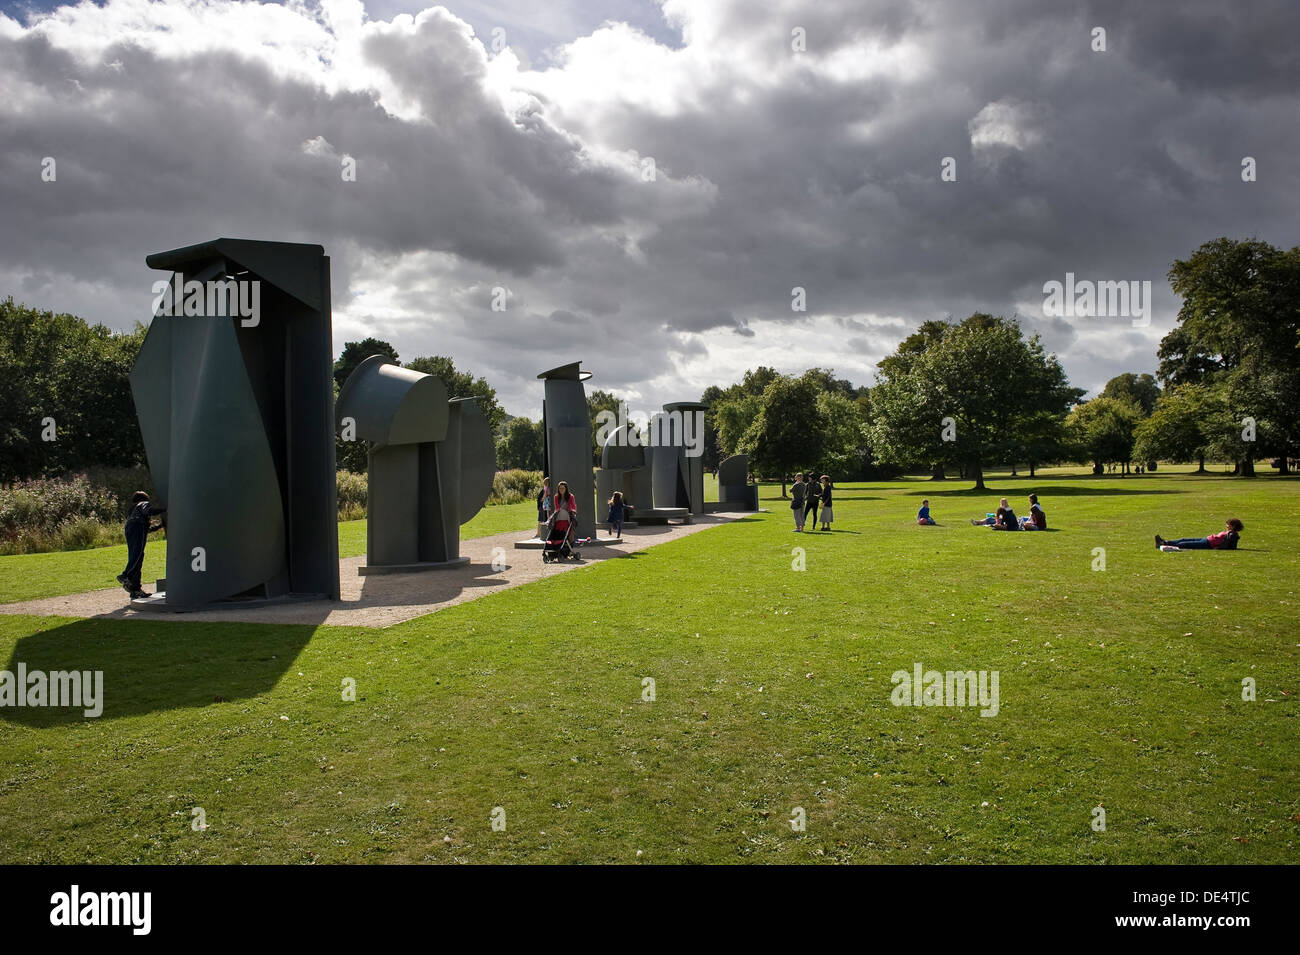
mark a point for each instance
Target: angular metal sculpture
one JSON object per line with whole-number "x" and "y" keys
{"x": 735, "y": 493}
{"x": 235, "y": 408}
{"x": 567, "y": 429}
{"x": 678, "y": 477}
{"x": 430, "y": 464}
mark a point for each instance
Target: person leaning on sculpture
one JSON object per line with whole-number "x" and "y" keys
{"x": 137, "y": 531}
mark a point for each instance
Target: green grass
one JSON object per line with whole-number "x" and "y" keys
{"x": 1119, "y": 687}
{"x": 32, "y": 576}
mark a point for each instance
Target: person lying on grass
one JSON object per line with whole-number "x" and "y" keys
{"x": 990, "y": 520}
{"x": 1226, "y": 539}
{"x": 923, "y": 515}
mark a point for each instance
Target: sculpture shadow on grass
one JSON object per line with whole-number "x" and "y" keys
{"x": 152, "y": 667}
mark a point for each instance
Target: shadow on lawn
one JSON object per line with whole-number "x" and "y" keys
{"x": 1045, "y": 491}
{"x": 157, "y": 667}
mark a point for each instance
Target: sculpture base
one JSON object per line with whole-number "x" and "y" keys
{"x": 416, "y": 568}
{"x": 662, "y": 515}
{"x": 535, "y": 543}
{"x": 157, "y": 602}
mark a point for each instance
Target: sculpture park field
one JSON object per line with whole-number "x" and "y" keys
{"x": 1119, "y": 688}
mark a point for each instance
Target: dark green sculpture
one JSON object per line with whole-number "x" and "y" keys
{"x": 568, "y": 449}
{"x": 234, "y": 393}
{"x": 430, "y": 464}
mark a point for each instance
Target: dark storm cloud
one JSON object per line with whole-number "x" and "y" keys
{"x": 775, "y": 170}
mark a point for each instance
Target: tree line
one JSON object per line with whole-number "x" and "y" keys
{"x": 953, "y": 396}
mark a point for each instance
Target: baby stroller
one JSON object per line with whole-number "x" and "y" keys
{"x": 558, "y": 544}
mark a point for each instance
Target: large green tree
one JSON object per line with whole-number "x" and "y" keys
{"x": 65, "y": 403}
{"x": 788, "y": 432}
{"x": 1102, "y": 430}
{"x": 520, "y": 445}
{"x": 961, "y": 393}
{"x": 1237, "y": 333}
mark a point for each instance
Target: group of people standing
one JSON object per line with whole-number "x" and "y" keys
{"x": 807, "y": 496}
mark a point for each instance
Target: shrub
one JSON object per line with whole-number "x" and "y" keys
{"x": 513, "y": 486}
{"x": 65, "y": 513}
{"x": 352, "y": 495}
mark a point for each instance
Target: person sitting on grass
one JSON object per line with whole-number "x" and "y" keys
{"x": 137, "y": 531}
{"x": 1037, "y": 520}
{"x": 991, "y": 519}
{"x": 1005, "y": 520}
{"x": 1226, "y": 539}
{"x": 923, "y": 515}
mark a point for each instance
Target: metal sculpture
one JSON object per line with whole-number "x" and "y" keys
{"x": 233, "y": 390}
{"x": 430, "y": 464}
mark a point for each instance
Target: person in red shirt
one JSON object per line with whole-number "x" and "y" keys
{"x": 566, "y": 507}
{"x": 1226, "y": 539}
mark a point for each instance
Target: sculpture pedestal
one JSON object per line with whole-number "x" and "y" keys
{"x": 416, "y": 568}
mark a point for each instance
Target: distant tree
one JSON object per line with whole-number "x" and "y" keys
{"x": 462, "y": 384}
{"x": 1142, "y": 391}
{"x": 960, "y": 393}
{"x": 1182, "y": 427}
{"x": 1103, "y": 431}
{"x": 520, "y": 445}
{"x": 787, "y": 434}
{"x": 354, "y": 353}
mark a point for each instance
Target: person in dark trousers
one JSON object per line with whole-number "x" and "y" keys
{"x": 828, "y": 515}
{"x": 137, "y": 531}
{"x": 1226, "y": 539}
{"x": 616, "y": 513}
{"x": 811, "y": 499}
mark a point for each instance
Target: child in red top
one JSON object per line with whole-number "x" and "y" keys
{"x": 1226, "y": 539}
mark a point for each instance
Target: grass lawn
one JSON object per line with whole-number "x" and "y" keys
{"x": 1119, "y": 687}
{"x": 31, "y": 576}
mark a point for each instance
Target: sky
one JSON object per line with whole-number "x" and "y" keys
{"x": 643, "y": 185}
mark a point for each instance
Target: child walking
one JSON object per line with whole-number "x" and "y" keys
{"x": 137, "y": 531}
{"x": 616, "y": 513}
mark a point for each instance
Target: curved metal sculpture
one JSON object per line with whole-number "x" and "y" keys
{"x": 234, "y": 408}
{"x": 430, "y": 464}
{"x": 734, "y": 490}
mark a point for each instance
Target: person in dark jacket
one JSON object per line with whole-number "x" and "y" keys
{"x": 812, "y": 497}
{"x": 137, "y": 531}
{"x": 828, "y": 515}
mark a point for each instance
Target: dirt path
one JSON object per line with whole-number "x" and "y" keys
{"x": 385, "y": 599}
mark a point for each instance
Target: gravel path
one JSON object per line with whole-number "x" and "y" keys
{"x": 382, "y": 600}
